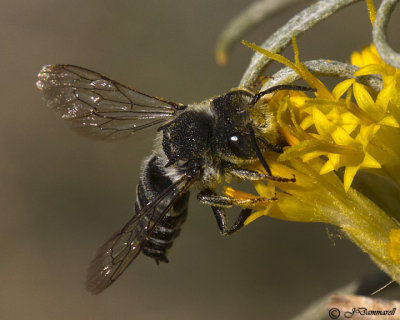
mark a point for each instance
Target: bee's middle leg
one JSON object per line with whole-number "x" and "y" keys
{"x": 222, "y": 220}
{"x": 218, "y": 203}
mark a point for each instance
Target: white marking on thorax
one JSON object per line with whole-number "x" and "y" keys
{"x": 202, "y": 107}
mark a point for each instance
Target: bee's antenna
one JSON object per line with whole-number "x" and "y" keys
{"x": 259, "y": 95}
{"x": 258, "y": 151}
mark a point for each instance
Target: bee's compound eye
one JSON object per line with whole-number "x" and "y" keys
{"x": 234, "y": 139}
{"x": 240, "y": 145}
{"x": 235, "y": 144}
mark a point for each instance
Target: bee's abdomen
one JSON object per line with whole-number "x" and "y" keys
{"x": 152, "y": 182}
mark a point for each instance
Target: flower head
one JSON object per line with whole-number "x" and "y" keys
{"x": 332, "y": 124}
{"x": 352, "y": 127}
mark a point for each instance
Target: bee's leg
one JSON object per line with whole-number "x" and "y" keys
{"x": 218, "y": 203}
{"x": 222, "y": 220}
{"x": 211, "y": 198}
{"x": 245, "y": 174}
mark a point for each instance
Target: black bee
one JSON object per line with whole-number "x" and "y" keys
{"x": 198, "y": 144}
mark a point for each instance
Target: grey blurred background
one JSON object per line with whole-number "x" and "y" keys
{"x": 62, "y": 195}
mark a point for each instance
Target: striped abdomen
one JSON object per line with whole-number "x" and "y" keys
{"x": 152, "y": 182}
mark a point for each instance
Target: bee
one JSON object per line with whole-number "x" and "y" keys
{"x": 198, "y": 144}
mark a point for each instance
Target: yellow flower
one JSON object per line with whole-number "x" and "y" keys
{"x": 339, "y": 129}
{"x": 385, "y": 145}
{"x": 351, "y": 127}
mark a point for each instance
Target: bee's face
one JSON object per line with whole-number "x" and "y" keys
{"x": 232, "y": 136}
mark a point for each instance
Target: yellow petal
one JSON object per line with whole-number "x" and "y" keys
{"x": 264, "y": 190}
{"x": 273, "y": 56}
{"x": 299, "y": 99}
{"x": 327, "y": 167}
{"x": 332, "y": 163}
{"x": 390, "y": 94}
{"x": 306, "y": 123}
{"x": 322, "y": 124}
{"x": 370, "y": 162}
{"x": 312, "y": 155}
{"x": 349, "y": 174}
{"x": 334, "y": 115}
{"x": 370, "y": 69}
{"x": 349, "y": 122}
{"x": 371, "y": 11}
{"x": 300, "y": 149}
{"x": 233, "y": 193}
{"x": 384, "y": 97}
{"x": 356, "y": 59}
{"x": 371, "y": 55}
{"x": 366, "y": 134}
{"x": 255, "y": 215}
{"x": 322, "y": 90}
{"x": 342, "y": 87}
{"x": 365, "y": 101}
{"x": 389, "y": 121}
{"x": 291, "y": 140}
{"x": 341, "y": 137}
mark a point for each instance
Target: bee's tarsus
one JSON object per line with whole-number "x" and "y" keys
{"x": 281, "y": 179}
{"x": 222, "y": 220}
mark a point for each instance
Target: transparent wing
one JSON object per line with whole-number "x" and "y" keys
{"x": 99, "y": 106}
{"x": 117, "y": 253}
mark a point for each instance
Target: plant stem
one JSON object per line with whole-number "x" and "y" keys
{"x": 299, "y": 24}
{"x": 387, "y": 54}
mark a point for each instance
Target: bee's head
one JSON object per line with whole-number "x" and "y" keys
{"x": 236, "y": 130}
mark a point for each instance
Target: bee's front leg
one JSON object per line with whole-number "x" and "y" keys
{"x": 245, "y": 174}
{"x": 218, "y": 203}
